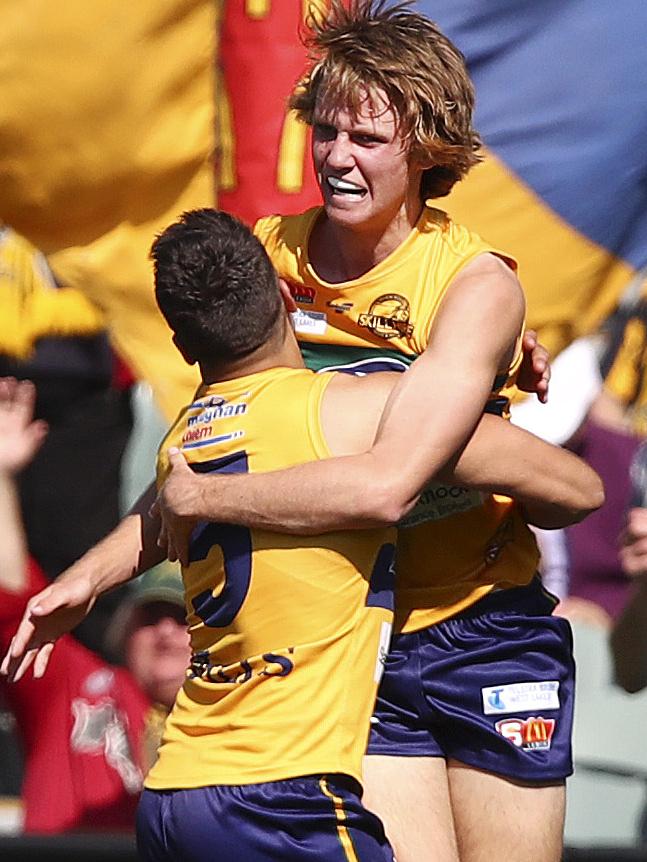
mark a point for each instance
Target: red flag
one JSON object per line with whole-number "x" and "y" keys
{"x": 264, "y": 164}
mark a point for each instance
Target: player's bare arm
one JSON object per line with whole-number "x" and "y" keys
{"x": 430, "y": 414}
{"x": 554, "y": 487}
{"x": 131, "y": 548}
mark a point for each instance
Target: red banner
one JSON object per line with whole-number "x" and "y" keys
{"x": 263, "y": 164}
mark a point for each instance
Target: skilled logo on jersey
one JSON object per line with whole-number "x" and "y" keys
{"x": 301, "y": 293}
{"x": 529, "y": 734}
{"x": 388, "y": 317}
{"x": 520, "y": 697}
{"x": 339, "y": 307}
{"x": 503, "y": 536}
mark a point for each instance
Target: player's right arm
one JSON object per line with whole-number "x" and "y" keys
{"x": 130, "y": 549}
{"x": 554, "y": 487}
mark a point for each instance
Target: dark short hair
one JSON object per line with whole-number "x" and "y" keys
{"x": 215, "y": 285}
{"x": 359, "y": 47}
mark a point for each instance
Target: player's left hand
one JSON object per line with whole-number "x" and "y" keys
{"x": 175, "y": 506}
{"x": 20, "y": 435}
{"x": 534, "y": 373}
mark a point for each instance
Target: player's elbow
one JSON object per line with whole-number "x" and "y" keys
{"x": 589, "y": 497}
{"x": 387, "y": 502}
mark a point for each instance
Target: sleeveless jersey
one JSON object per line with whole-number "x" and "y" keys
{"x": 457, "y": 544}
{"x": 288, "y": 633}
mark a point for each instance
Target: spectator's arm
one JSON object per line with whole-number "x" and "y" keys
{"x": 20, "y": 438}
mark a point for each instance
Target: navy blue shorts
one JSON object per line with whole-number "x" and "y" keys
{"x": 491, "y": 687}
{"x": 312, "y": 817}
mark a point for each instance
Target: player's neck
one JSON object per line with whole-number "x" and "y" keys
{"x": 279, "y": 351}
{"x": 340, "y": 253}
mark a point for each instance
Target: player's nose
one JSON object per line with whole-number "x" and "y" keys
{"x": 339, "y": 154}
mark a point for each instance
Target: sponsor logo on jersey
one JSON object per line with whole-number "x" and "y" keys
{"x": 441, "y": 501}
{"x": 196, "y": 438}
{"x": 301, "y": 293}
{"x": 213, "y": 412}
{"x": 266, "y": 665}
{"x": 309, "y": 322}
{"x": 388, "y": 317}
{"x": 529, "y": 734}
{"x": 339, "y": 307}
{"x": 503, "y": 536}
{"x": 520, "y": 697}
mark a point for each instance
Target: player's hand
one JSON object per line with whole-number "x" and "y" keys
{"x": 175, "y": 504}
{"x": 633, "y": 544}
{"x": 52, "y": 612}
{"x": 20, "y": 436}
{"x": 534, "y": 373}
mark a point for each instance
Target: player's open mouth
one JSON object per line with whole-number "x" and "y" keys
{"x": 344, "y": 187}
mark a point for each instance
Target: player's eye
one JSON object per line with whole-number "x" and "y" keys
{"x": 324, "y": 132}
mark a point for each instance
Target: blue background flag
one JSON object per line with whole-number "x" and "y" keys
{"x": 562, "y": 109}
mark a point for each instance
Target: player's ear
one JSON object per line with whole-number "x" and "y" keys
{"x": 188, "y": 358}
{"x": 288, "y": 299}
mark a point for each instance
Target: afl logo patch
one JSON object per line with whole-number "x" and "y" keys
{"x": 388, "y": 317}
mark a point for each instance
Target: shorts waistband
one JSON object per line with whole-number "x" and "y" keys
{"x": 532, "y": 598}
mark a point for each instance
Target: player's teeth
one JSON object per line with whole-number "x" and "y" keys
{"x": 343, "y": 185}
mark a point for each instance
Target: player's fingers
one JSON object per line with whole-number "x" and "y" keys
{"x": 177, "y": 460}
{"x": 162, "y": 537}
{"x": 529, "y": 339}
{"x": 169, "y": 543}
{"x": 6, "y": 661}
{"x": 23, "y": 665}
{"x": 183, "y": 549}
{"x": 42, "y": 659}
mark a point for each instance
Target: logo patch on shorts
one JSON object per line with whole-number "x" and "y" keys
{"x": 520, "y": 697}
{"x": 528, "y": 734}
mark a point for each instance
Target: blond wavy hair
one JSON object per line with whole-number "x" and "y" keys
{"x": 360, "y": 47}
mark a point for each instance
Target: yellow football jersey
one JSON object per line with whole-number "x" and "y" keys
{"x": 457, "y": 544}
{"x": 288, "y": 634}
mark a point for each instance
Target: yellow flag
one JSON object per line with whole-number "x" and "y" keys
{"x": 106, "y": 136}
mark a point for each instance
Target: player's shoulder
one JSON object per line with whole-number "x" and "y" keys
{"x": 285, "y": 229}
{"x": 486, "y": 296}
{"x": 459, "y": 240}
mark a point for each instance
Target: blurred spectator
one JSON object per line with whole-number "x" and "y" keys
{"x": 598, "y": 408}
{"x": 54, "y": 336}
{"x": 629, "y": 634}
{"x": 89, "y": 730}
{"x": 610, "y": 440}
